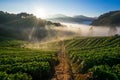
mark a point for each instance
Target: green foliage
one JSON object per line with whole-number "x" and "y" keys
{"x": 19, "y": 26}
{"x": 16, "y": 76}
{"x": 104, "y": 72}
{"x": 100, "y": 55}
{"x": 17, "y": 63}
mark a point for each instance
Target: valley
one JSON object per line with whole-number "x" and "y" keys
{"x": 32, "y": 48}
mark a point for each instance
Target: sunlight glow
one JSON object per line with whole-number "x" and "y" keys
{"x": 40, "y": 13}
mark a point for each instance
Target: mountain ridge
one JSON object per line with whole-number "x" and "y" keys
{"x": 111, "y": 18}
{"x": 80, "y": 19}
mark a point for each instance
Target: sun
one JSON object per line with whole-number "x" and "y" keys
{"x": 40, "y": 13}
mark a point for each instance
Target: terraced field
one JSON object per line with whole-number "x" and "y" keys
{"x": 80, "y": 58}
{"x": 96, "y": 57}
{"x": 17, "y": 63}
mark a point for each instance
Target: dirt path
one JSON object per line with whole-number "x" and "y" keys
{"x": 63, "y": 69}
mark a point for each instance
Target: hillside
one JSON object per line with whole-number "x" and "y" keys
{"x": 20, "y": 63}
{"x": 108, "y": 19}
{"x": 94, "y": 58}
{"x": 19, "y": 26}
{"x": 80, "y": 58}
{"x": 27, "y": 54}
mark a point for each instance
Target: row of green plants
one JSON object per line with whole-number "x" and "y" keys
{"x": 99, "y": 55}
{"x": 92, "y": 42}
{"x": 19, "y": 63}
{"x": 17, "y": 76}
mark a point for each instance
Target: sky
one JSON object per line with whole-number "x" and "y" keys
{"x": 45, "y": 8}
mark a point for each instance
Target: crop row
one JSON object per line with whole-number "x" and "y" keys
{"x": 18, "y": 63}
{"x": 99, "y": 55}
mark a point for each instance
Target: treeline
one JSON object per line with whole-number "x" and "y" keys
{"x": 19, "y": 26}
{"x": 6, "y": 17}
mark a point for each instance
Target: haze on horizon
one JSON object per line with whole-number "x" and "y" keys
{"x": 45, "y": 8}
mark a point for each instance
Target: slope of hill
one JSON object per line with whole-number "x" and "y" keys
{"x": 80, "y": 19}
{"x": 19, "y": 26}
{"x": 20, "y": 63}
{"x": 95, "y": 56}
{"x": 108, "y": 19}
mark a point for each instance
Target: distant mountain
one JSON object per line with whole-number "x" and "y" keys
{"x": 111, "y": 18}
{"x": 80, "y": 19}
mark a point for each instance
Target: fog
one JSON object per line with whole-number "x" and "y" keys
{"x": 88, "y": 30}
{"x": 66, "y": 31}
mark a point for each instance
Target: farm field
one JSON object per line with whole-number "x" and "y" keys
{"x": 17, "y": 63}
{"x": 79, "y": 58}
{"x": 96, "y": 57}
